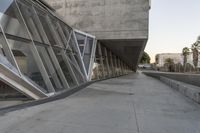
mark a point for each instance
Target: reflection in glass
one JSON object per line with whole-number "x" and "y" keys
{"x": 2, "y": 53}
{"x": 81, "y": 42}
{"x": 75, "y": 68}
{"x": 10, "y": 19}
{"x": 86, "y": 45}
{"x": 24, "y": 57}
{"x": 53, "y": 25}
{"x": 3, "y": 59}
{"x": 46, "y": 26}
{"x": 88, "y": 52}
{"x": 67, "y": 31}
{"x": 77, "y": 58}
{"x": 64, "y": 67}
{"x": 50, "y": 68}
{"x": 29, "y": 17}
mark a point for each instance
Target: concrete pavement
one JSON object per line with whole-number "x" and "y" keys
{"x": 129, "y": 104}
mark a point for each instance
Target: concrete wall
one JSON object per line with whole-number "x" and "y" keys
{"x": 193, "y": 79}
{"x": 107, "y": 19}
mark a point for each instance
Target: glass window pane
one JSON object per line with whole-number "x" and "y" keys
{"x": 81, "y": 41}
{"x": 88, "y": 52}
{"x": 10, "y": 19}
{"x": 67, "y": 31}
{"x": 75, "y": 68}
{"x": 29, "y": 17}
{"x": 2, "y": 53}
{"x": 3, "y": 59}
{"x": 27, "y": 63}
{"x": 75, "y": 52}
{"x": 46, "y": 26}
{"x": 50, "y": 68}
{"x": 64, "y": 67}
{"x": 51, "y": 28}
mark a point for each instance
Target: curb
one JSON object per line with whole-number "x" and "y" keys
{"x": 190, "y": 91}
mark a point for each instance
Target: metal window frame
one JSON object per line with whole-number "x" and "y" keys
{"x": 36, "y": 54}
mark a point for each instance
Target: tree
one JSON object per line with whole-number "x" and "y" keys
{"x": 178, "y": 67}
{"x": 185, "y": 53}
{"x": 145, "y": 58}
{"x": 170, "y": 64}
{"x": 195, "y": 50}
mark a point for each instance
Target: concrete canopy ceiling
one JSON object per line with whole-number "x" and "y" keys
{"x": 128, "y": 50}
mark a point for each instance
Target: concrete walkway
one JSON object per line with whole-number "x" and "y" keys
{"x": 129, "y": 104}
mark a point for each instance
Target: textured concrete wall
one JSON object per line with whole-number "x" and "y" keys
{"x": 193, "y": 79}
{"x": 106, "y": 19}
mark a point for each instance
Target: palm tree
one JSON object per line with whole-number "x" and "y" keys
{"x": 185, "y": 53}
{"x": 195, "y": 55}
{"x": 195, "y": 50}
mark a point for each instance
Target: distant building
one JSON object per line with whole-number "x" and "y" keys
{"x": 160, "y": 58}
{"x": 177, "y": 58}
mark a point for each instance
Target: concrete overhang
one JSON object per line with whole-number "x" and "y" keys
{"x": 121, "y": 25}
{"x": 128, "y": 50}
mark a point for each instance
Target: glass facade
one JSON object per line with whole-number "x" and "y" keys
{"x": 87, "y": 46}
{"x": 38, "y": 46}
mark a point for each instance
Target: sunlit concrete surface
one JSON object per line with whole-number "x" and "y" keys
{"x": 129, "y": 104}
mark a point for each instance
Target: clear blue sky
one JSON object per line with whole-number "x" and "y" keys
{"x": 174, "y": 24}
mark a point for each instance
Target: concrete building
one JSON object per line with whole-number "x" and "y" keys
{"x": 177, "y": 58}
{"x": 161, "y": 58}
{"x": 120, "y": 25}
{"x": 42, "y": 54}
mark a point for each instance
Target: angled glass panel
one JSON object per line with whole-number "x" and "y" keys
{"x": 88, "y": 52}
{"x": 68, "y": 76}
{"x": 26, "y": 61}
{"x": 2, "y": 53}
{"x": 67, "y": 32}
{"x": 75, "y": 67}
{"x": 86, "y": 47}
{"x": 42, "y": 44}
{"x": 66, "y": 41}
{"x": 81, "y": 39}
{"x": 53, "y": 23}
{"x": 75, "y": 50}
{"x": 29, "y": 17}
{"x": 54, "y": 35}
{"x": 3, "y": 59}
{"x": 43, "y": 16}
{"x": 10, "y": 19}
{"x": 50, "y": 68}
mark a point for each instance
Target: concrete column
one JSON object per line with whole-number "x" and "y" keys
{"x": 111, "y": 63}
{"x": 101, "y": 60}
{"x": 106, "y": 61}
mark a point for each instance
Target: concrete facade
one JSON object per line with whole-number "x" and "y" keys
{"x": 121, "y": 25}
{"x": 160, "y": 58}
{"x": 177, "y": 58}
